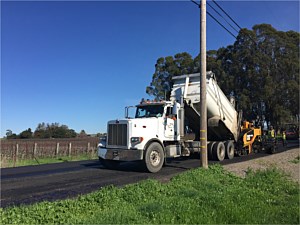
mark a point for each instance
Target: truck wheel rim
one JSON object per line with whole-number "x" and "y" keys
{"x": 154, "y": 158}
{"x": 231, "y": 151}
{"x": 221, "y": 152}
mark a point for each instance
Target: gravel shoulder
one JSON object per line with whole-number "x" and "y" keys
{"x": 282, "y": 161}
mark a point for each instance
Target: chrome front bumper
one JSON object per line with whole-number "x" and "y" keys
{"x": 120, "y": 154}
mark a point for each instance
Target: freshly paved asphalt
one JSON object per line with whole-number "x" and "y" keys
{"x": 31, "y": 184}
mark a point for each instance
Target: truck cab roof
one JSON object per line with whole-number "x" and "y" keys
{"x": 152, "y": 102}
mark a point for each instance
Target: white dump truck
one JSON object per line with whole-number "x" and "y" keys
{"x": 171, "y": 128}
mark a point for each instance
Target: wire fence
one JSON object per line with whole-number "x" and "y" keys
{"x": 20, "y": 149}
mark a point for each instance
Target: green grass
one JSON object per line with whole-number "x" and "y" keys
{"x": 296, "y": 160}
{"x": 195, "y": 197}
{"x": 38, "y": 161}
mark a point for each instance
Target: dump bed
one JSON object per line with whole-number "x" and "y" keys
{"x": 222, "y": 117}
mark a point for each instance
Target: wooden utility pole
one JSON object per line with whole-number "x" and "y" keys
{"x": 203, "y": 110}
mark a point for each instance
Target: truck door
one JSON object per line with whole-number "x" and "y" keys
{"x": 169, "y": 123}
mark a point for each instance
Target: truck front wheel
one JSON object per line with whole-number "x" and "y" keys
{"x": 154, "y": 157}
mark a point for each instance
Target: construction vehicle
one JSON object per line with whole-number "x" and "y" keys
{"x": 165, "y": 129}
{"x": 250, "y": 139}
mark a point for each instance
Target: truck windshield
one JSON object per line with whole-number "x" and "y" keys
{"x": 149, "y": 111}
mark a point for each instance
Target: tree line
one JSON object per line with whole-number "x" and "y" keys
{"x": 261, "y": 70}
{"x": 49, "y": 130}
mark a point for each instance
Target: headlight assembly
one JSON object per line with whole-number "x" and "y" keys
{"x": 136, "y": 140}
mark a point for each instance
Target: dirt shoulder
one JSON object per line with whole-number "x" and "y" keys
{"x": 284, "y": 161}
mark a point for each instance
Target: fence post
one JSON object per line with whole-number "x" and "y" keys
{"x": 93, "y": 151}
{"x": 88, "y": 148}
{"x": 57, "y": 149}
{"x": 16, "y": 155}
{"x": 13, "y": 155}
{"x": 35, "y": 150}
{"x": 70, "y": 149}
{"x": 17, "y": 151}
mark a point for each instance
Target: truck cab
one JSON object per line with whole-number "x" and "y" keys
{"x": 143, "y": 137}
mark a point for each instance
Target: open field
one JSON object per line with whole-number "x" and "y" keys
{"x": 197, "y": 196}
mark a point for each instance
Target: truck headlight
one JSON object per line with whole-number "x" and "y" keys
{"x": 136, "y": 140}
{"x": 102, "y": 143}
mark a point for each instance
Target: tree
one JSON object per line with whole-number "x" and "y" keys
{"x": 26, "y": 134}
{"x": 53, "y": 130}
{"x": 13, "y": 136}
{"x": 264, "y": 63}
{"x": 41, "y": 131}
{"x": 10, "y": 135}
{"x": 82, "y": 133}
{"x": 165, "y": 69}
{"x": 71, "y": 133}
{"x": 261, "y": 67}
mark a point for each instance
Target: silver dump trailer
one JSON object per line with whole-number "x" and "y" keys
{"x": 222, "y": 117}
{"x": 223, "y": 125}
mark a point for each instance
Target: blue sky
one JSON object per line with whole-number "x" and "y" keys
{"x": 80, "y": 63}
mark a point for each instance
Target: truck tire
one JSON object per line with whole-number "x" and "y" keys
{"x": 109, "y": 164}
{"x": 273, "y": 149}
{"x": 154, "y": 157}
{"x": 219, "y": 151}
{"x": 229, "y": 145}
{"x": 210, "y": 147}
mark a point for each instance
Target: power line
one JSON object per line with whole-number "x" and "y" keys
{"x": 227, "y": 22}
{"x": 216, "y": 20}
{"x": 222, "y": 17}
{"x": 233, "y": 20}
{"x": 221, "y": 25}
{"x": 226, "y": 13}
{"x": 195, "y": 3}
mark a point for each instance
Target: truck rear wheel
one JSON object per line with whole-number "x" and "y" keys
{"x": 229, "y": 145}
{"x": 154, "y": 157}
{"x": 210, "y": 147}
{"x": 219, "y": 151}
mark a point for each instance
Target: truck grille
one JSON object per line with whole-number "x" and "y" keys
{"x": 117, "y": 134}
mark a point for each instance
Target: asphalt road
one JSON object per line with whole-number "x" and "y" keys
{"x": 50, "y": 182}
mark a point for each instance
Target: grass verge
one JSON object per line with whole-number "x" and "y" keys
{"x": 197, "y": 196}
{"x": 296, "y": 160}
{"x": 38, "y": 161}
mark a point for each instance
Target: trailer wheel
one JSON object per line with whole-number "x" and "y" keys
{"x": 154, "y": 157}
{"x": 219, "y": 151}
{"x": 109, "y": 164}
{"x": 229, "y": 145}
